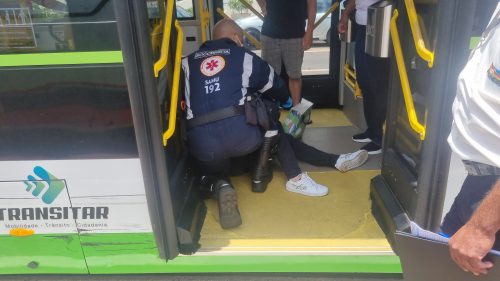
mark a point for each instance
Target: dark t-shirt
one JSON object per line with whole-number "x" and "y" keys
{"x": 285, "y": 19}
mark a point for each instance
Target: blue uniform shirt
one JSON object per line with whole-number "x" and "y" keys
{"x": 220, "y": 74}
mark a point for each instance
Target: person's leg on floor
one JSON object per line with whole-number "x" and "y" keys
{"x": 298, "y": 181}
{"x": 316, "y": 157}
{"x": 287, "y": 158}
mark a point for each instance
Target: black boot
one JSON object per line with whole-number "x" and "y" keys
{"x": 263, "y": 173}
{"x": 207, "y": 186}
{"x": 229, "y": 215}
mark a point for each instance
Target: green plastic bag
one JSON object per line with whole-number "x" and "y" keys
{"x": 297, "y": 118}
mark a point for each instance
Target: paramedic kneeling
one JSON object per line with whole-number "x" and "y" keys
{"x": 219, "y": 76}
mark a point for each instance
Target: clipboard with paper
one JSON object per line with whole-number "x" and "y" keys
{"x": 424, "y": 255}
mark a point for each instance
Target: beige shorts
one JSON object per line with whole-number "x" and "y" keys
{"x": 283, "y": 51}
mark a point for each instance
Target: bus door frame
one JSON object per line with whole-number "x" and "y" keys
{"x": 138, "y": 62}
{"x": 403, "y": 193}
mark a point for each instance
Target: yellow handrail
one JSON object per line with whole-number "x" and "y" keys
{"x": 323, "y": 17}
{"x": 422, "y": 51}
{"x": 410, "y": 108}
{"x": 174, "y": 97}
{"x": 357, "y": 91}
{"x": 165, "y": 44}
{"x": 204, "y": 21}
{"x": 251, "y": 8}
{"x": 350, "y": 78}
{"x": 252, "y": 39}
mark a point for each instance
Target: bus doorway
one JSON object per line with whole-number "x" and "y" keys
{"x": 397, "y": 188}
{"x": 278, "y": 222}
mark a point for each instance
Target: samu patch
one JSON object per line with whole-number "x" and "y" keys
{"x": 212, "y": 65}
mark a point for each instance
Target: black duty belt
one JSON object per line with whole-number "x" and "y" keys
{"x": 217, "y": 115}
{"x": 480, "y": 169}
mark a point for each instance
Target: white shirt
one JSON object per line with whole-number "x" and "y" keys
{"x": 475, "y": 133}
{"x": 362, "y": 10}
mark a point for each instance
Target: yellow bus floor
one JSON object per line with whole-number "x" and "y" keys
{"x": 336, "y": 140}
{"x": 324, "y": 117}
{"x": 281, "y": 222}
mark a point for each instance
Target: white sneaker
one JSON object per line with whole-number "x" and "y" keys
{"x": 350, "y": 161}
{"x": 306, "y": 186}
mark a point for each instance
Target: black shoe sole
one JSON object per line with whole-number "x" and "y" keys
{"x": 229, "y": 215}
{"x": 261, "y": 185}
{"x": 261, "y": 179}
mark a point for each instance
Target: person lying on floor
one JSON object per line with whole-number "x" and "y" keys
{"x": 218, "y": 79}
{"x": 289, "y": 150}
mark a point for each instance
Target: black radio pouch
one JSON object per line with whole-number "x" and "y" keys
{"x": 256, "y": 112}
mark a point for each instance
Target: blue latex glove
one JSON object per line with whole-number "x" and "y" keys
{"x": 288, "y": 104}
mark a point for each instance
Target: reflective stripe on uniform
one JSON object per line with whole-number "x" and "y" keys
{"x": 270, "y": 82}
{"x": 187, "y": 93}
{"x": 245, "y": 77}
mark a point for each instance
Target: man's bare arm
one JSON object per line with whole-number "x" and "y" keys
{"x": 350, "y": 7}
{"x": 311, "y": 19}
{"x": 487, "y": 215}
{"x": 475, "y": 239}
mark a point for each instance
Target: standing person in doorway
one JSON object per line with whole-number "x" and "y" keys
{"x": 372, "y": 74}
{"x": 285, "y": 38}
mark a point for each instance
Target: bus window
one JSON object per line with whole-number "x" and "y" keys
{"x": 185, "y": 9}
{"x": 156, "y": 12}
{"x": 317, "y": 59}
{"x": 48, "y": 26}
{"x": 50, "y": 106}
